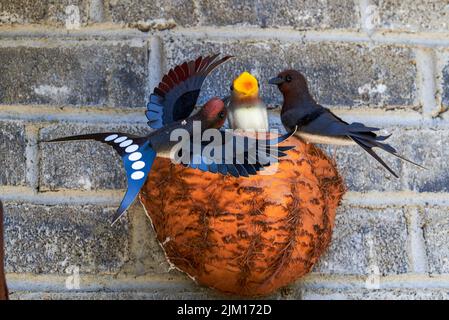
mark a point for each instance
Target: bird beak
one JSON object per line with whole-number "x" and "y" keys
{"x": 276, "y": 81}
{"x": 246, "y": 85}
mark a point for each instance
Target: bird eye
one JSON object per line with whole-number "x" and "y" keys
{"x": 232, "y": 87}
{"x": 288, "y": 78}
{"x": 221, "y": 115}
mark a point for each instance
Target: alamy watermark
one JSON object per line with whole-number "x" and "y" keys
{"x": 73, "y": 281}
{"x": 372, "y": 282}
{"x": 213, "y": 146}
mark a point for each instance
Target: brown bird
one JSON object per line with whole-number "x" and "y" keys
{"x": 317, "y": 124}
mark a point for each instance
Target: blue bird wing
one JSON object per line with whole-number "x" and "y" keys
{"x": 236, "y": 155}
{"x": 176, "y": 95}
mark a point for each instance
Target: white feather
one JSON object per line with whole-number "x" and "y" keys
{"x": 249, "y": 117}
{"x": 313, "y": 138}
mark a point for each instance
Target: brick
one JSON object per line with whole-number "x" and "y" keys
{"x": 12, "y": 153}
{"x": 41, "y": 12}
{"x": 339, "y": 74}
{"x": 435, "y": 223}
{"x": 50, "y": 239}
{"x": 82, "y": 74}
{"x": 363, "y": 173}
{"x": 412, "y": 15}
{"x": 146, "y": 254}
{"x": 373, "y": 294}
{"x": 183, "y": 12}
{"x": 424, "y": 146}
{"x": 84, "y": 165}
{"x": 303, "y": 14}
{"x": 274, "y": 120}
{"x": 428, "y": 148}
{"x": 366, "y": 237}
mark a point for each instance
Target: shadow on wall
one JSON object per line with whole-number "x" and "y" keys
{"x": 3, "y": 288}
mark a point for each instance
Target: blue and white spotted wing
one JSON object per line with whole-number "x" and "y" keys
{"x": 137, "y": 157}
{"x": 137, "y": 164}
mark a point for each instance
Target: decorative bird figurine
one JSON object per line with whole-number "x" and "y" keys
{"x": 317, "y": 124}
{"x": 168, "y": 110}
{"x": 246, "y": 236}
{"x": 246, "y": 110}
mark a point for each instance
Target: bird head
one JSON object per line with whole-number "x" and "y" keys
{"x": 291, "y": 82}
{"x": 245, "y": 86}
{"x": 214, "y": 113}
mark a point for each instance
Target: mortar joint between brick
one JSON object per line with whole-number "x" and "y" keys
{"x": 154, "y": 282}
{"x": 116, "y": 33}
{"x": 407, "y": 198}
{"x": 367, "y": 13}
{"x": 32, "y": 156}
{"x": 61, "y": 197}
{"x": 96, "y": 11}
{"x": 416, "y": 248}
{"x": 197, "y": 12}
{"x": 378, "y": 37}
{"x": 155, "y": 62}
{"x": 426, "y": 68}
{"x": 92, "y": 115}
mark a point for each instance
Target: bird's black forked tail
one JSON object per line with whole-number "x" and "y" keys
{"x": 373, "y": 154}
{"x": 137, "y": 157}
{"x": 368, "y": 144}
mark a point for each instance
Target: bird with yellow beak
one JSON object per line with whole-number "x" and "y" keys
{"x": 246, "y": 111}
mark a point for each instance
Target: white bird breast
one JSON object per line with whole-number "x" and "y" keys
{"x": 248, "y": 118}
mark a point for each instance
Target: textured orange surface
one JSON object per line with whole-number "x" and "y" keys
{"x": 246, "y": 236}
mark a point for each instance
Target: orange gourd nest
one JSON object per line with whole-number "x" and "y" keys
{"x": 246, "y": 236}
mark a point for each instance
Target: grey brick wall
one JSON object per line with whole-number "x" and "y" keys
{"x": 77, "y": 66}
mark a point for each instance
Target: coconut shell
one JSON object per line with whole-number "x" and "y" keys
{"x": 246, "y": 236}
